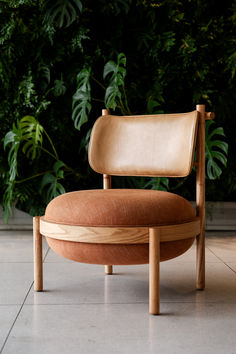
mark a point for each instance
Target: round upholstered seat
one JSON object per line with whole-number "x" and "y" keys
{"x": 118, "y": 208}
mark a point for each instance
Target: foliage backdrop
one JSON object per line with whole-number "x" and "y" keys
{"x": 52, "y": 58}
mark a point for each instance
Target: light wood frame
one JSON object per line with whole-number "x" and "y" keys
{"x": 132, "y": 235}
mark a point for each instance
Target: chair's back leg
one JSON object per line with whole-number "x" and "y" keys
{"x": 38, "y": 257}
{"x": 107, "y": 185}
{"x": 200, "y": 198}
{"x": 154, "y": 271}
{"x": 108, "y": 269}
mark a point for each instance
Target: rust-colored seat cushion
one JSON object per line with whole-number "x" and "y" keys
{"x": 118, "y": 207}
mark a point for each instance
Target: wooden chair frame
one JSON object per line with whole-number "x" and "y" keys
{"x": 133, "y": 235}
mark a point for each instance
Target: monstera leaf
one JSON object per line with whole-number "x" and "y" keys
{"x": 62, "y": 12}
{"x": 216, "y": 151}
{"x": 117, "y": 71}
{"x": 81, "y": 104}
{"x": 13, "y": 138}
{"x": 32, "y": 134}
{"x": 50, "y": 185}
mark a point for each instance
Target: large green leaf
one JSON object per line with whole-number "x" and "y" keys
{"x": 59, "y": 88}
{"x": 13, "y": 138}
{"x": 81, "y": 103}
{"x": 62, "y": 12}
{"x": 28, "y": 132}
{"x": 32, "y": 136}
{"x": 117, "y": 73}
{"x": 50, "y": 187}
{"x": 216, "y": 151}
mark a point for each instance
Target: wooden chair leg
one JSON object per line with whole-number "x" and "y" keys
{"x": 200, "y": 281}
{"x": 154, "y": 271}
{"x": 108, "y": 269}
{"x": 38, "y": 256}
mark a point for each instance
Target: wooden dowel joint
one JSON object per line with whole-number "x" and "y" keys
{"x": 209, "y": 115}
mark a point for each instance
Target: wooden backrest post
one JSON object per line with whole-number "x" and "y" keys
{"x": 107, "y": 185}
{"x": 200, "y": 196}
{"x": 200, "y": 176}
{"x": 106, "y": 178}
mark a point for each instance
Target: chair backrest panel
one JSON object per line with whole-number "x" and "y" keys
{"x": 148, "y": 145}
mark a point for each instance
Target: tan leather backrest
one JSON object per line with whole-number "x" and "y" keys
{"x": 148, "y": 145}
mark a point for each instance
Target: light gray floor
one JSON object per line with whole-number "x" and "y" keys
{"x": 83, "y": 311}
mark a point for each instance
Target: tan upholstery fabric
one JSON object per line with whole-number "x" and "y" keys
{"x": 151, "y": 145}
{"x": 119, "y": 207}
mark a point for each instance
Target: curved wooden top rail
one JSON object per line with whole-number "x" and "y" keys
{"x": 117, "y": 235}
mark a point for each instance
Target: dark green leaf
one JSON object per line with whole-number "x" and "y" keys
{"x": 62, "y": 12}
{"x": 81, "y": 103}
{"x": 32, "y": 136}
{"x": 117, "y": 73}
{"x": 216, "y": 150}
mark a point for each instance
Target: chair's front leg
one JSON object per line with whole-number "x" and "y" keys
{"x": 200, "y": 281}
{"x": 154, "y": 271}
{"x": 108, "y": 269}
{"x": 38, "y": 256}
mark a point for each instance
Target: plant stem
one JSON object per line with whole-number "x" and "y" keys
{"x": 49, "y": 153}
{"x": 35, "y": 176}
{"x": 122, "y": 108}
{"x": 97, "y": 99}
{"x": 98, "y": 82}
{"x": 52, "y": 145}
{"x": 126, "y": 101}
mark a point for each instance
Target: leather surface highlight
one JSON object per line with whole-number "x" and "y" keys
{"x": 149, "y": 145}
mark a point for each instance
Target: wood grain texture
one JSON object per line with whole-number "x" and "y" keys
{"x": 107, "y": 185}
{"x": 38, "y": 257}
{"x": 200, "y": 198}
{"x": 154, "y": 271}
{"x": 106, "y": 181}
{"x": 108, "y": 269}
{"x": 117, "y": 235}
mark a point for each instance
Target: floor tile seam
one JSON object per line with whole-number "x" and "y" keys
{"x": 17, "y": 315}
{"x": 16, "y": 262}
{"x": 25, "y": 262}
{"x": 114, "y": 303}
{"x": 46, "y": 253}
{"x": 233, "y": 270}
{"x": 224, "y": 262}
{"x": 135, "y": 303}
{"x": 214, "y": 254}
{"x": 10, "y": 304}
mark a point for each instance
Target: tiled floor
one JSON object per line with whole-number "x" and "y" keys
{"x": 83, "y": 311}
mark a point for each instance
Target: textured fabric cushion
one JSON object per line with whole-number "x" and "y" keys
{"x": 119, "y": 207}
{"x": 100, "y": 253}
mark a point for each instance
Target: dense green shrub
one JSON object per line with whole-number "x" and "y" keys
{"x": 52, "y": 58}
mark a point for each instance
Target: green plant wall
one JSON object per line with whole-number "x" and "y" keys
{"x": 176, "y": 54}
